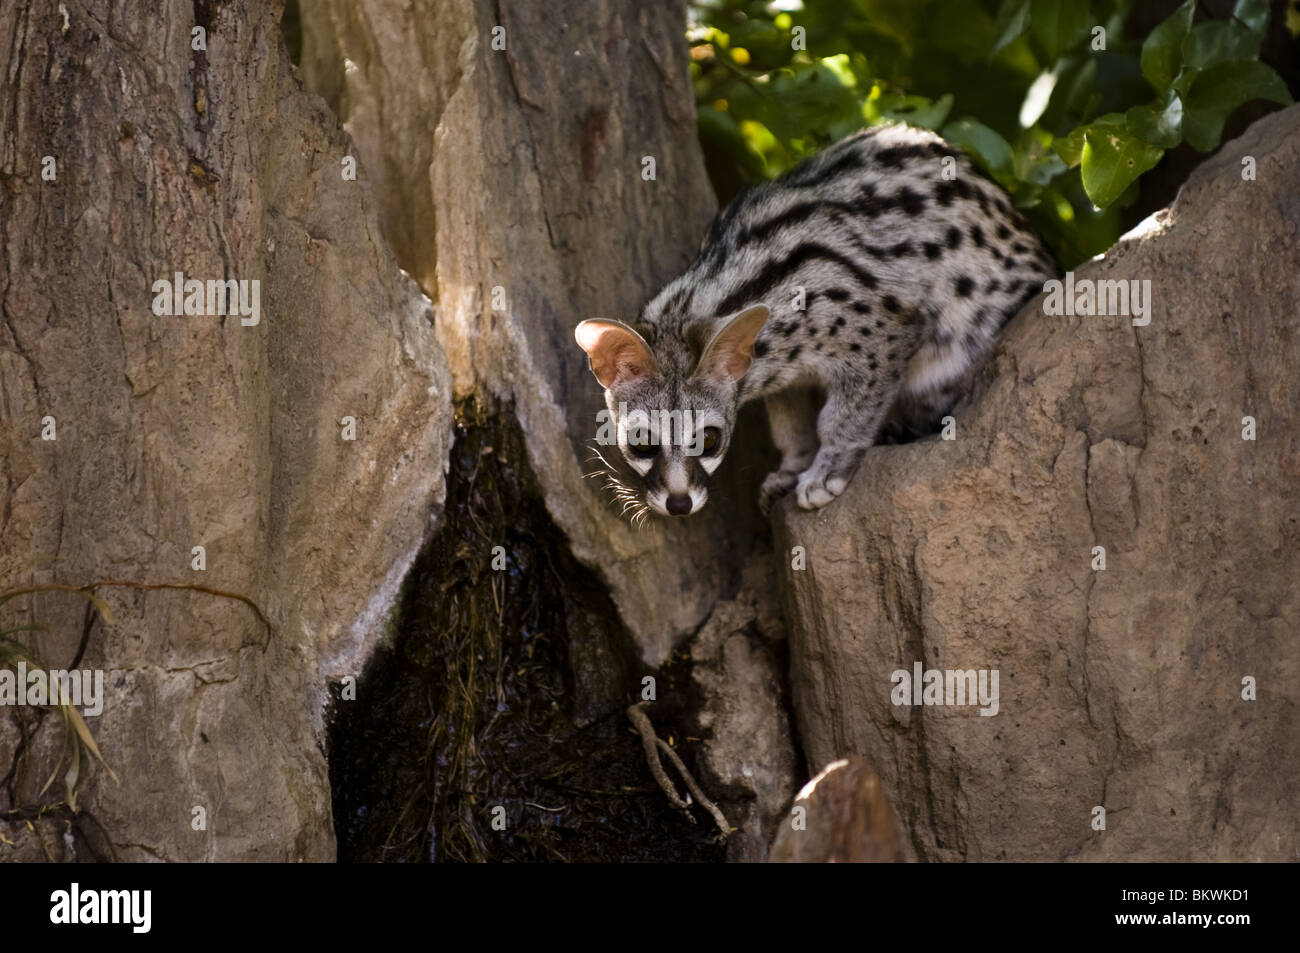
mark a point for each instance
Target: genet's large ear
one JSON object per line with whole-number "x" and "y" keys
{"x": 616, "y": 353}
{"x": 728, "y": 355}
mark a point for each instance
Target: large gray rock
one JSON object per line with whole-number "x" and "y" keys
{"x": 1122, "y": 688}
{"x": 175, "y": 432}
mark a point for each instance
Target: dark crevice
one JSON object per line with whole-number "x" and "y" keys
{"x": 504, "y": 688}
{"x": 291, "y": 30}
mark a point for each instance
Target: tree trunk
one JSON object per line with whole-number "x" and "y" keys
{"x": 174, "y": 432}
{"x": 513, "y": 140}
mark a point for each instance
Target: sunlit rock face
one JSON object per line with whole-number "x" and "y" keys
{"x": 1157, "y": 695}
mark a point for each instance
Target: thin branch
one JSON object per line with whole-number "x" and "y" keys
{"x": 150, "y": 587}
{"x": 652, "y": 744}
{"x": 724, "y": 829}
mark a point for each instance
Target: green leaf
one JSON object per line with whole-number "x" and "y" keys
{"x": 1034, "y": 162}
{"x": 1113, "y": 158}
{"x": 1162, "y": 53}
{"x": 1253, "y": 13}
{"x": 1058, "y": 24}
{"x": 1217, "y": 93}
{"x": 985, "y": 144}
{"x": 839, "y": 67}
{"x": 913, "y": 110}
{"x": 1184, "y": 82}
{"x": 719, "y": 130}
{"x": 1070, "y": 148}
{"x": 1076, "y": 81}
{"x": 810, "y": 98}
{"x": 1013, "y": 21}
{"x": 1217, "y": 41}
{"x": 1043, "y": 169}
{"x": 961, "y": 28}
{"x": 1161, "y": 125}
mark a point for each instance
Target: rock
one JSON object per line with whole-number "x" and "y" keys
{"x": 176, "y": 432}
{"x": 549, "y": 213}
{"x": 748, "y": 757}
{"x": 845, "y": 819}
{"x": 576, "y": 107}
{"x": 1121, "y": 688}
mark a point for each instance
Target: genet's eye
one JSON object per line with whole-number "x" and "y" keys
{"x": 712, "y": 437}
{"x": 646, "y": 451}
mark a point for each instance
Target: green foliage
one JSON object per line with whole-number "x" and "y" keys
{"x": 1048, "y": 96}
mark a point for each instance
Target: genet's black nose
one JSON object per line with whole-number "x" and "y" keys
{"x": 679, "y": 504}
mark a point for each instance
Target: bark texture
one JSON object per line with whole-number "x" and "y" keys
{"x": 512, "y": 138}
{"x": 1121, "y": 688}
{"x": 176, "y": 432}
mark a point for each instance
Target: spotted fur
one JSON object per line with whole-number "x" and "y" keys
{"x": 905, "y": 278}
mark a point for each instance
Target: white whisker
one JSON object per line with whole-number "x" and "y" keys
{"x": 620, "y": 492}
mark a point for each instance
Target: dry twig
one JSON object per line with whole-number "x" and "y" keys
{"x": 652, "y": 744}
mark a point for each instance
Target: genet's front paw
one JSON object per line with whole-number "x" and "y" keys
{"x": 777, "y": 485}
{"x": 814, "y": 490}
